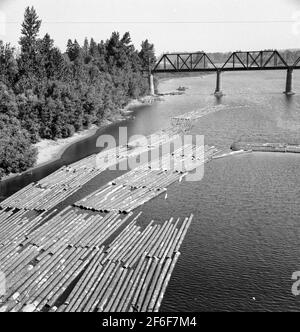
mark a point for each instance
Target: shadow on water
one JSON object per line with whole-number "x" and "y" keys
{"x": 290, "y": 101}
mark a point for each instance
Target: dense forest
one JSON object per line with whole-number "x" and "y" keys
{"x": 45, "y": 93}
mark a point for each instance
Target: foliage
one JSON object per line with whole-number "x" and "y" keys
{"x": 16, "y": 152}
{"x": 45, "y": 93}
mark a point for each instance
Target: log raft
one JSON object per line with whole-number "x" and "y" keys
{"x": 44, "y": 253}
{"x": 47, "y": 193}
{"x": 265, "y": 147}
{"x": 130, "y": 273}
{"x": 146, "y": 182}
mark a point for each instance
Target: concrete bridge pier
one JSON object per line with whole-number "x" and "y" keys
{"x": 289, "y": 82}
{"x": 151, "y": 84}
{"x": 218, "y": 92}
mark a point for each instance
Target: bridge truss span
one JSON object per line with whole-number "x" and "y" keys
{"x": 200, "y": 61}
{"x": 237, "y": 61}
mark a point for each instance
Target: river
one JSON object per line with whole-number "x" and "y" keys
{"x": 243, "y": 245}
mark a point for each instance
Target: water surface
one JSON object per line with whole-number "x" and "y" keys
{"x": 244, "y": 244}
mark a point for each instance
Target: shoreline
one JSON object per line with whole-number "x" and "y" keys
{"x": 50, "y": 151}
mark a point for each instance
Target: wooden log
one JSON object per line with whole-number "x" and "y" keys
{"x": 35, "y": 286}
{"x": 138, "y": 245}
{"x": 178, "y": 237}
{"x": 157, "y": 243}
{"x": 83, "y": 282}
{"x": 123, "y": 305}
{"x": 121, "y": 294}
{"x": 89, "y": 288}
{"x": 66, "y": 281}
{"x": 127, "y": 229}
{"x": 159, "y": 284}
{"x": 139, "y": 286}
{"x": 168, "y": 242}
{"x": 152, "y": 286}
{"x": 145, "y": 248}
{"x": 62, "y": 282}
{"x": 145, "y": 289}
{"x": 114, "y": 295}
{"x": 45, "y": 291}
{"x": 101, "y": 289}
{"x": 109, "y": 291}
{"x": 166, "y": 282}
{"x": 184, "y": 233}
{"x": 163, "y": 240}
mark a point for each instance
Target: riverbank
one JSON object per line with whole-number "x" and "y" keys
{"x": 50, "y": 150}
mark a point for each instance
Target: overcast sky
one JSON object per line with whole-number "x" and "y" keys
{"x": 172, "y": 25}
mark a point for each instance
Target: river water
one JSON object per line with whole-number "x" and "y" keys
{"x": 244, "y": 243}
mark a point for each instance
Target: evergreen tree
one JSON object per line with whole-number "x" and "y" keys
{"x": 16, "y": 152}
{"x": 8, "y": 64}
{"x": 147, "y": 55}
{"x": 29, "y": 59}
{"x": 93, "y": 50}
{"x": 47, "y": 94}
{"x": 73, "y": 50}
{"x": 30, "y": 30}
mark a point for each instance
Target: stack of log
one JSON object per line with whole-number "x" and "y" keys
{"x": 146, "y": 182}
{"x": 186, "y": 120}
{"x": 39, "y": 244}
{"x": 60, "y": 185}
{"x": 65, "y": 265}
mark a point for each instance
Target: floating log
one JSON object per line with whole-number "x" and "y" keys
{"x": 98, "y": 279}
{"x": 102, "y": 288}
{"x": 140, "y": 284}
{"x": 109, "y": 291}
{"x": 63, "y": 183}
{"x": 265, "y": 147}
{"x": 165, "y": 283}
{"x": 147, "y": 246}
{"x": 151, "y": 290}
{"x": 88, "y": 289}
{"x": 116, "y": 291}
{"x": 146, "y": 182}
{"x": 159, "y": 284}
{"x": 122, "y": 292}
{"x": 145, "y": 288}
{"x": 130, "y": 273}
{"x": 135, "y": 284}
{"x": 82, "y": 283}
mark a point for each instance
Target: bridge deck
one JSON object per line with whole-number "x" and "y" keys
{"x": 221, "y": 69}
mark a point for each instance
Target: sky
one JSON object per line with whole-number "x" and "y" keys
{"x": 172, "y": 25}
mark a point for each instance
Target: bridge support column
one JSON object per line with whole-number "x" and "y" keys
{"x": 151, "y": 84}
{"x": 218, "y": 92}
{"x": 289, "y": 82}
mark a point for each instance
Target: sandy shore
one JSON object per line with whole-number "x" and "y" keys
{"x": 49, "y": 150}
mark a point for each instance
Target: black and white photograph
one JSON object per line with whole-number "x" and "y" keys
{"x": 149, "y": 159}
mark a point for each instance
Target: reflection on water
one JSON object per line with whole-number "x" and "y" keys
{"x": 244, "y": 241}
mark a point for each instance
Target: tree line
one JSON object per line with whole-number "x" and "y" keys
{"x": 45, "y": 93}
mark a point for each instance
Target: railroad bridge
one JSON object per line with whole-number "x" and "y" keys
{"x": 237, "y": 61}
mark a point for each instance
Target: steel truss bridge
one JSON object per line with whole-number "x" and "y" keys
{"x": 237, "y": 61}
